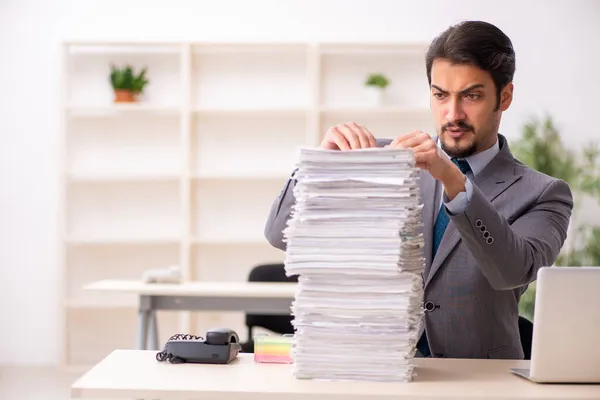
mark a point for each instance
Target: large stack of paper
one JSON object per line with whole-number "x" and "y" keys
{"x": 355, "y": 240}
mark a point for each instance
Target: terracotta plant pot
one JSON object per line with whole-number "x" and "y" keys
{"x": 124, "y": 96}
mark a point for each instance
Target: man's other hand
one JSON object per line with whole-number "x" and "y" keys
{"x": 348, "y": 136}
{"x": 430, "y": 157}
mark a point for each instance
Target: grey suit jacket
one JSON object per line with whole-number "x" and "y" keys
{"x": 515, "y": 223}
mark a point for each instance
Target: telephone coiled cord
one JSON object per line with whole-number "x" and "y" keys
{"x": 164, "y": 356}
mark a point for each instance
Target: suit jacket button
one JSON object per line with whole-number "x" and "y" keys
{"x": 430, "y": 306}
{"x": 489, "y": 240}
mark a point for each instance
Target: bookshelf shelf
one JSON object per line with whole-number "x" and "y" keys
{"x": 119, "y": 241}
{"x": 113, "y": 209}
{"x": 230, "y": 240}
{"x": 260, "y": 176}
{"x": 252, "y": 144}
{"x": 369, "y": 49}
{"x": 106, "y": 304}
{"x": 187, "y": 175}
{"x": 375, "y": 110}
{"x": 344, "y": 76}
{"x": 101, "y": 48}
{"x": 261, "y": 111}
{"x": 107, "y": 111}
{"x": 124, "y": 177}
{"x": 253, "y": 49}
{"x": 238, "y": 79}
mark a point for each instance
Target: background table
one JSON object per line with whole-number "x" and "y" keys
{"x": 251, "y": 297}
{"x": 137, "y": 374}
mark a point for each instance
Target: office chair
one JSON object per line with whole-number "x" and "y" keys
{"x": 526, "y": 333}
{"x": 281, "y": 324}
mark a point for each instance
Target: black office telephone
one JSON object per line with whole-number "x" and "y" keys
{"x": 220, "y": 347}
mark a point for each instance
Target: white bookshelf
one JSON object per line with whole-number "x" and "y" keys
{"x": 187, "y": 176}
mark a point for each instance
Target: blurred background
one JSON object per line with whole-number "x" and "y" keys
{"x": 96, "y": 184}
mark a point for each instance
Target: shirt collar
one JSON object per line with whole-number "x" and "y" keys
{"x": 479, "y": 161}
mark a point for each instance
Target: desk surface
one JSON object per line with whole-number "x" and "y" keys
{"x": 137, "y": 374}
{"x": 208, "y": 289}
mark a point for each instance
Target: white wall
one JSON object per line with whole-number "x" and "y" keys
{"x": 557, "y": 59}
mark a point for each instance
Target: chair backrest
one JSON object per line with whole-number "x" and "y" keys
{"x": 277, "y": 323}
{"x": 270, "y": 273}
{"x": 526, "y": 333}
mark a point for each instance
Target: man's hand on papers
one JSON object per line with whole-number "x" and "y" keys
{"x": 429, "y": 156}
{"x": 348, "y": 136}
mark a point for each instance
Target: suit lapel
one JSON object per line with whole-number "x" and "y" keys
{"x": 495, "y": 178}
{"x": 428, "y": 197}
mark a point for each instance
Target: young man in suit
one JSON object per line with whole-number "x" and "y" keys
{"x": 489, "y": 221}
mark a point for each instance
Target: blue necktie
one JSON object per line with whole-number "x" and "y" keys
{"x": 442, "y": 219}
{"x": 439, "y": 228}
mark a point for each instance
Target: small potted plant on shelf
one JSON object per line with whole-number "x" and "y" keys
{"x": 375, "y": 87}
{"x": 126, "y": 84}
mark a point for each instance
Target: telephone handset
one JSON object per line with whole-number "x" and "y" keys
{"x": 221, "y": 336}
{"x": 220, "y": 347}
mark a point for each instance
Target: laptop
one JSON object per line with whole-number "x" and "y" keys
{"x": 566, "y": 327}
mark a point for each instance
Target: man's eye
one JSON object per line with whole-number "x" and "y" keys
{"x": 438, "y": 96}
{"x": 473, "y": 96}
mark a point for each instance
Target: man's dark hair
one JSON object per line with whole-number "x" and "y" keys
{"x": 477, "y": 43}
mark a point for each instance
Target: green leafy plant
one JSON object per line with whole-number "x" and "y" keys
{"x": 126, "y": 79}
{"x": 541, "y": 148}
{"x": 377, "y": 80}
{"x": 586, "y": 251}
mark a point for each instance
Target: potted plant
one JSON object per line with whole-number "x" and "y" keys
{"x": 126, "y": 84}
{"x": 375, "y": 88}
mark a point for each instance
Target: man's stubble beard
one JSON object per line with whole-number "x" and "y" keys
{"x": 460, "y": 152}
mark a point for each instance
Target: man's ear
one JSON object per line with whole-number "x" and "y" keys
{"x": 506, "y": 96}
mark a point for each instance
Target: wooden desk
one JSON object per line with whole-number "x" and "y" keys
{"x": 253, "y": 297}
{"x": 137, "y": 374}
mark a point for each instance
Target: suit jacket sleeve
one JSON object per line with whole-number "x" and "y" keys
{"x": 279, "y": 215}
{"x": 515, "y": 252}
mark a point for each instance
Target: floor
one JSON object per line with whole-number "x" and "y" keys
{"x": 35, "y": 383}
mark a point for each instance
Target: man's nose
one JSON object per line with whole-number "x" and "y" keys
{"x": 455, "y": 111}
